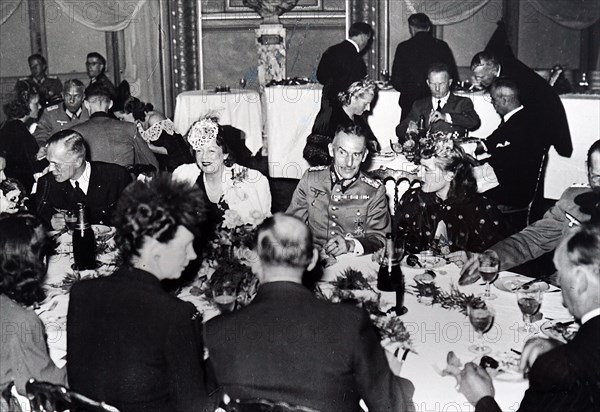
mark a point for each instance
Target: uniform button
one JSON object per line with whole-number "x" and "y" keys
{"x": 334, "y": 208}
{"x": 358, "y": 213}
{"x": 338, "y": 190}
{"x": 333, "y": 216}
{"x": 332, "y": 233}
{"x": 333, "y": 224}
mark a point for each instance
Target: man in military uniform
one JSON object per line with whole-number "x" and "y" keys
{"x": 48, "y": 87}
{"x": 63, "y": 115}
{"x": 346, "y": 210}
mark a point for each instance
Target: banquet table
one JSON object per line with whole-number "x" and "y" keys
{"x": 238, "y": 108}
{"x": 583, "y": 116}
{"x": 434, "y": 330}
{"x": 290, "y": 112}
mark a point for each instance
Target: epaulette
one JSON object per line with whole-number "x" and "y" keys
{"x": 371, "y": 182}
{"x": 580, "y": 185}
{"x": 51, "y": 108}
{"x": 53, "y": 77}
{"x": 317, "y": 168}
{"x": 24, "y": 78}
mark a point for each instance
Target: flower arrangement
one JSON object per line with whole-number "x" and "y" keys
{"x": 454, "y": 299}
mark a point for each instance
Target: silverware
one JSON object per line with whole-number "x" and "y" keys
{"x": 527, "y": 284}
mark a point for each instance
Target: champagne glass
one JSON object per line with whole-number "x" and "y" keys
{"x": 489, "y": 263}
{"x": 243, "y": 82}
{"x": 529, "y": 299}
{"x": 224, "y": 296}
{"x": 481, "y": 316}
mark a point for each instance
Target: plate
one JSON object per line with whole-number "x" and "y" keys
{"x": 424, "y": 278}
{"x": 103, "y": 231}
{"x": 510, "y": 283}
{"x": 427, "y": 260}
{"x": 383, "y": 156}
{"x": 548, "y": 329}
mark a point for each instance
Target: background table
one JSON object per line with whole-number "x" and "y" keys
{"x": 239, "y": 108}
{"x": 290, "y": 113}
{"x": 583, "y": 116}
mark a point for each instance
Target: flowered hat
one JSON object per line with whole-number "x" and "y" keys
{"x": 203, "y": 132}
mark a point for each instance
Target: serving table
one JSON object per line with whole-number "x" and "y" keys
{"x": 238, "y": 108}
{"x": 290, "y": 113}
{"x": 434, "y": 330}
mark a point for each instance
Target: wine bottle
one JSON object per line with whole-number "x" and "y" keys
{"x": 84, "y": 242}
{"x": 384, "y": 277}
{"x": 422, "y": 131}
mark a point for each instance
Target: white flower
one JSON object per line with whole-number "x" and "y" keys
{"x": 231, "y": 219}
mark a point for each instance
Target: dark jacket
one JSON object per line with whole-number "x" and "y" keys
{"x": 340, "y": 66}
{"x": 411, "y": 61}
{"x": 134, "y": 346}
{"x": 287, "y": 345}
{"x": 20, "y": 149}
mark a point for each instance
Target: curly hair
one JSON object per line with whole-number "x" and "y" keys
{"x": 357, "y": 88}
{"x": 454, "y": 159}
{"x": 18, "y": 104}
{"x": 24, "y": 245}
{"x": 11, "y": 184}
{"x": 138, "y": 108}
{"x": 156, "y": 209}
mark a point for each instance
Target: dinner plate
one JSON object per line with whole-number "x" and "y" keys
{"x": 383, "y": 156}
{"x": 424, "y": 278}
{"x": 511, "y": 283}
{"x": 103, "y": 231}
{"x": 427, "y": 261}
{"x": 548, "y": 328}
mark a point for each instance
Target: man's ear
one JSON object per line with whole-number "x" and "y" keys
{"x": 87, "y": 105}
{"x": 580, "y": 279}
{"x": 330, "y": 148}
{"x": 110, "y": 105}
{"x": 313, "y": 260}
{"x": 365, "y": 155}
{"x": 450, "y": 82}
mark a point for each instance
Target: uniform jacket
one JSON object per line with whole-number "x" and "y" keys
{"x": 360, "y": 211}
{"x": 565, "y": 379}
{"x": 107, "y": 181}
{"x": 545, "y": 234}
{"x": 411, "y": 61}
{"x": 50, "y": 89}
{"x": 113, "y": 141}
{"x": 516, "y": 149}
{"x": 464, "y": 116}
{"x": 54, "y": 119}
{"x": 287, "y": 345}
{"x": 134, "y": 346}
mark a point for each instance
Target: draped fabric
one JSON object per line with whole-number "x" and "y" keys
{"x": 105, "y": 15}
{"x": 7, "y": 8}
{"x": 442, "y": 12}
{"x": 574, "y": 14}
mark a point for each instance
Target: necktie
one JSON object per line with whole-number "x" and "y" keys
{"x": 78, "y": 190}
{"x": 439, "y": 108}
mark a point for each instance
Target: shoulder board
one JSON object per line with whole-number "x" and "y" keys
{"x": 24, "y": 78}
{"x": 53, "y": 77}
{"x": 317, "y": 168}
{"x": 580, "y": 185}
{"x": 51, "y": 108}
{"x": 371, "y": 182}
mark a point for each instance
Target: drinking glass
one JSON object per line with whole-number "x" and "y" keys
{"x": 243, "y": 82}
{"x": 224, "y": 296}
{"x": 71, "y": 220}
{"x": 385, "y": 76}
{"x": 481, "y": 316}
{"x": 489, "y": 263}
{"x": 529, "y": 299}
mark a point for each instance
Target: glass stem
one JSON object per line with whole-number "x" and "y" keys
{"x": 487, "y": 290}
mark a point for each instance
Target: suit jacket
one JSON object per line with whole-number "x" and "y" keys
{"x": 411, "y": 61}
{"x": 55, "y": 119}
{"x": 107, "y": 181}
{"x": 537, "y": 95}
{"x": 464, "y": 116}
{"x": 134, "y": 346}
{"x": 340, "y": 66}
{"x": 358, "y": 210}
{"x": 566, "y": 379}
{"x": 543, "y": 235}
{"x": 20, "y": 148}
{"x": 289, "y": 346}
{"x": 103, "y": 80}
{"x": 113, "y": 141}
{"x": 516, "y": 148}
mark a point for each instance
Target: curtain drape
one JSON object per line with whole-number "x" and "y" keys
{"x": 103, "y": 15}
{"x": 7, "y": 8}
{"x": 574, "y": 14}
{"x": 442, "y": 12}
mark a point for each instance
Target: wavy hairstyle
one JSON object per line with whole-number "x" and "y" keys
{"x": 450, "y": 156}
{"x": 24, "y": 246}
{"x": 137, "y": 108}
{"x": 155, "y": 209}
{"x": 18, "y": 105}
{"x": 357, "y": 88}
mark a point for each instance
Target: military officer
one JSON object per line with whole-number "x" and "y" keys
{"x": 48, "y": 87}
{"x": 345, "y": 209}
{"x": 63, "y": 115}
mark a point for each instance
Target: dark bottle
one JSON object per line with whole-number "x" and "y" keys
{"x": 390, "y": 277}
{"x": 422, "y": 131}
{"x": 84, "y": 242}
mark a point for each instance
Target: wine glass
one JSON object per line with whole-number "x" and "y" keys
{"x": 489, "y": 263}
{"x": 71, "y": 220}
{"x": 243, "y": 82}
{"x": 481, "y": 316}
{"x": 529, "y": 299}
{"x": 224, "y": 296}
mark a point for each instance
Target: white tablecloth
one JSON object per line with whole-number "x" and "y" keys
{"x": 583, "y": 115}
{"x": 240, "y": 109}
{"x": 290, "y": 113}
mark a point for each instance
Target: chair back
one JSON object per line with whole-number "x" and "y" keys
{"x": 9, "y": 401}
{"x": 49, "y": 397}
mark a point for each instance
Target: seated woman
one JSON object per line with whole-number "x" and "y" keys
{"x": 24, "y": 248}
{"x": 12, "y": 196}
{"x": 227, "y": 185}
{"x": 353, "y": 103}
{"x": 447, "y": 210}
{"x": 158, "y": 131}
{"x": 16, "y": 142}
